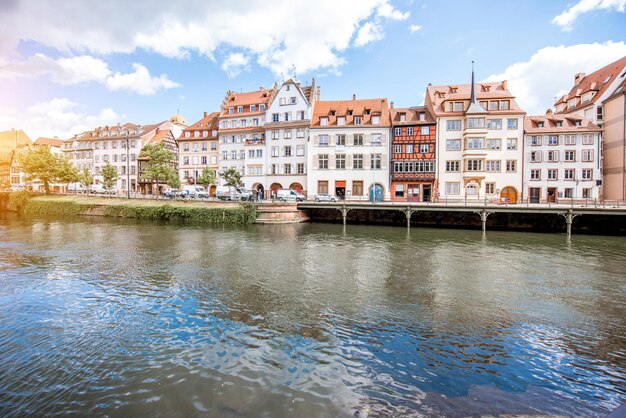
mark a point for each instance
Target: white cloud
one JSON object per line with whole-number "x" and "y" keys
{"x": 84, "y": 69}
{"x": 415, "y": 28}
{"x": 310, "y": 36}
{"x": 549, "y": 73}
{"x": 234, "y": 64}
{"x": 140, "y": 81}
{"x": 568, "y": 16}
{"x": 57, "y": 117}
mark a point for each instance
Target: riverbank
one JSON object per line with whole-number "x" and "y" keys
{"x": 73, "y": 205}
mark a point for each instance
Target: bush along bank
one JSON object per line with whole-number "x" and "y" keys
{"x": 25, "y": 203}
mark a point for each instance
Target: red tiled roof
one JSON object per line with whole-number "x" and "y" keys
{"x": 10, "y": 140}
{"x": 551, "y": 121}
{"x": 234, "y": 99}
{"x": 598, "y": 81}
{"x": 439, "y": 95}
{"x": 54, "y": 142}
{"x": 209, "y": 122}
{"x": 351, "y": 108}
{"x": 411, "y": 115}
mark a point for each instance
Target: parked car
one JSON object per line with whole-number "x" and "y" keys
{"x": 233, "y": 193}
{"x": 245, "y": 194}
{"x": 101, "y": 189}
{"x": 170, "y": 193}
{"x": 76, "y": 188}
{"x": 195, "y": 192}
{"x": 287, "y": 195}
{"x": 325, "y": 197}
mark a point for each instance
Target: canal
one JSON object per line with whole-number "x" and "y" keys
{"x": 129, "y": 318}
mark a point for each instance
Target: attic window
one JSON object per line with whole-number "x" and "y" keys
{"x": 453, "y": 89}
{"x": 487, "y": 88}
{"x": 559, "y": 124}
{"x": 349, "y": 112}
{"x": 577, "y": 123}
{"x": 441, "y": 94}
{"x": 422, "y": 117}
{"x": 366, "y": 112}
{"x": 402, "y": 117}
{"x": 607, "y": 79}
{"x": 332, "y": 113}
{"x": 539, "y": 124}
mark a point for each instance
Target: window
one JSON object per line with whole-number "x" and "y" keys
{"x": 287, "y": 116}
{"x": 399, "y": 190}
{"x": 300, "y": 133}
{"x": 473, "y": 165}
{"x": 375, "y": 139}
{"x": 341, "y": 120}
{"x": 274, "y": 151}
{"x": 375, "y": 161}
{"x": 453, "y": 145}
{"x": 493, "y": 166}
{"x": 397, "y": 149}
{"x": 261, "y": 107}
{"x": 422, "y": 117}
{"x": 570, "y": 155}
{"x": 483, "y": 104}
{"x": 535, "y": 174}
{"x": 287, "y": 168}
{"x": 323, "y": 121}
{"x": 490, "y": 188}
{"x": 259, "y": 153}
{"x": 568, "y": 192}
{"x": 493, "y": 105}
{"x": 474, "y": 123}
{"x": 570, "y": 139}
{"x": 424, "y": 148}
{"x": 357, "y": 188}
{"x": 213, "y": 146}
{"x": 494, "y": 144}
{"x": 239, "y": 109}
{"x": 424, "y": 130}
{"x": 252, "y": 108}
{"x": 341, "y": 140}
{"x": 553, "y": 174}
{"x": 274, "y": 134}
{"x": 299, "y": 150}
{"x": 397, "y": 131}
{"x": 535, "y": 140}
{"x": 588, "y": 139}
{"x": 504, "y": 105}
{"x": 300, "y": 115}
{"x": 553, "y": 140}
{"x": 569, "y": 174}
{"x": 185, "y": 160}
{"x": 511, "y": 144}
{"x": 243, "y": 123}
{"x": 340, "y": 161}
{"x": 204, "y": 146}
{"x": 251, "y": 153}
{"x": 494, "y": 123}
{"x": 275, "y": 117}
{"x": 587, "y": 155}
{"x": 409, "y": 131}
{"x": 233, "y": 155}
{"x": 587, "y": 174}
{"x": 323, "y": 161}
{"x": 375, "y": 120}
{"x": 293, "y": 100}
{"x": 358, "y": 140}
{"x": 204, "y": 160}
{"x": 300, "y": 168}
{"x": 408, "y": 148}
{"x": 453, "y": 188}
{"x": 511, "y": 166}
{"x": 357, "y": 161}
{"x": 453, "y": 166}
{"x": 535, "y": 156}
{"x": 453, "y": 125}
{"x": 458, "y": 106}
{"x": 553, "y": 156}
{"x": 287, "y": 151}
{"x": 287, "y": 133}
{"x": 475, "y": 143}
{"x": 322, "y": 186}
{"x": 185, "y": 147}
{"x": 511, "y": 124}
{"x": 586, "y": 193}
{"x": 224, "y": 155}
{"x": 323, "y": 140}
{"x": 357, "y": 120}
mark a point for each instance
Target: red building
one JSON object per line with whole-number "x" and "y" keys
{"x": 413, "y": 144}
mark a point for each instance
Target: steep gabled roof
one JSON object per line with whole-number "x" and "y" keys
{"x": 50, "y": 142}
{"x": 558, "y": 123}
{"x": 351, "y": 108}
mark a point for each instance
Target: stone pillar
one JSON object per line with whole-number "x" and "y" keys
{"x": 408, "y": 212}
{"x": 483, "y": 218}
{"x": 344, "y": 213}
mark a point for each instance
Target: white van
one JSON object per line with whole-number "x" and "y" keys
{"x": 289, "y": 195}
{"x": 232, "y": 193}
{"x": 76, "y": 188}
{"x": 195, "y": 192}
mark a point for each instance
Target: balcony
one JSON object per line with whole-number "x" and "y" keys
{"x": 255, "y": 141}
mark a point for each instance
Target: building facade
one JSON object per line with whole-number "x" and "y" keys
{"x": 479, "y": 141}
{"x": 561, "y": 158}
{"x": 146, "y": 185}
{"x": 614, "y": 144}
{"x": 413, "y": 154}
{"x": 287, "y": 132}
{"x": 242, "y": 131}
{"x": 348, "y": 150}
{"x": 197, "y": 149}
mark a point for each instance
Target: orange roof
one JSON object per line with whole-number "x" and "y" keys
{"x": 209, "y": 122}
{"x": 53, "y": 142}
{"x": 10, "y": 140}
{"x": 234, "y": 100}
{"x": 438, "y": 96}
{"x": 351, "y": 108}
{"x": 552, "y": 121}
{"x": 411, "y": 116}
{"x": 598, "y": 81}
{"x": 159, "y": 136}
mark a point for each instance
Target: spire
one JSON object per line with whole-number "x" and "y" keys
{"x": 473, "y": 96}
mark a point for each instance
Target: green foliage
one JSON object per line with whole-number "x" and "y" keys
{"x": 232, "y": 177}
{"x": 160, "y": 166}
{"x": 40, "y": 164}
{"x": 174, "y": 180}
{"x": 85, "y": 178}
{"x": 242, "y": 214}
{"x": 54, "y": 207}
{"x": 109, "y": 175}
{"x": 17, "y": 200}
{"x": 206, "y": 178}
{"x": 66, "y": 172}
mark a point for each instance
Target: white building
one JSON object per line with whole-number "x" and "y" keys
{"x": 287, "y": 133}
{"x": 348, "y": 154}
{"x": 561, "y": 158}
{"x": 479, "y": 140}
{"x": 197, "y": 148}
{"x": 242, "y": 131}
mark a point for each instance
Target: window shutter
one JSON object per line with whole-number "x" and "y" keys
{"x": 316, "y": 139}
{"x": 384, "y": 158}
{"x": 349, "y": 140}
{"x": 383, "y": 139}
{"x": 316, "y": 161}
{"x": 367, "y": 159}
{"x": 545, "y": 140}
{"x": 539, "y": 155}
{"x": 348, "y": 161}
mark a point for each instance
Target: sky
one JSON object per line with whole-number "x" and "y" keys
{"x": 73, "y": 65}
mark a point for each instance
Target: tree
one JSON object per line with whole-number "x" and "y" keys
{"x": 85, "y": 178}
{"x": 66, "y": 172}
{"x": 206, "y": 178}
{"x": 109, "y": 175}
{"x": 174, "y": 180}
{"x": 232, "y": 177}
{"x": 39, "y": 164}
{"x": 158, "y": 166}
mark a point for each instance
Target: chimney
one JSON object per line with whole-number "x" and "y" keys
{"x": 504, "y": 84}
{"x": 318, "y": 93}
{"x": 354, "y": 97}
{"x": 157, "y": 130}
{"x": 391, "y": 104}
{"x": 205, "y": 115}
{"x": 549, "y": 111}
{"x": 578, "y": 78}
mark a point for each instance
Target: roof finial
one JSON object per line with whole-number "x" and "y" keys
{"x": 473, "y": 95}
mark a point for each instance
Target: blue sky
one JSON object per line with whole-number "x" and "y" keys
{"x": 118, "y": 61}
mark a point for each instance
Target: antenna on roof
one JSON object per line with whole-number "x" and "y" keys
{"x": 473, "y": 95}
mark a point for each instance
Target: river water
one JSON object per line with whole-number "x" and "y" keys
{"x": 129, "y": 318}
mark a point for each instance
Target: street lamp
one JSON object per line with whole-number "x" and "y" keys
{"x": 127, "y": 168}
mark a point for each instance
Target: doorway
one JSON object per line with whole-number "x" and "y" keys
{"x": 340, "y": 189}
{"x": 508, "y": 195}
{"x": 535, "y": 194}
{"x": 413, "y": 192}
{"x": 376, "y": 193}
{"x": 426, "y": 193}
{"x": 551, "y": 196}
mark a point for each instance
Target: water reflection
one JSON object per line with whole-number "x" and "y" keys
{"x": 143, "y": 318}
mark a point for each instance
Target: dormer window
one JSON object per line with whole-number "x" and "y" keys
{"x": 366, "y": 112}
{"x": 358, "y": 120}
{"x": 375, "y": 120}
{"x": 458, "y": 106}
{"x": 252, "y": 108}
{"x": 341, "y": 120}
{"x": 493, "y": 105}
{"x": 559, "y": 124}
{"x": 239, "y": 109}
{"x": 402, "y": 117}
{"x": 539, "y": 124}
{"x": 349, "y": 112}
{"x": 422, "y": 117}
{"x": 323, "y": 121}
{"x": 483, "y": 104}
{"x": 231, "y": 110}
{"x": 578, "y": 123}
{"x": 441, "y": 94}
{"x": 261, "y": 107}
{"x": 332, "y": 113}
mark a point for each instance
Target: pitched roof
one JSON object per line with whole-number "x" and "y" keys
{"x": 209, "y": 122}
{"x": 351, "y": 108}
{"x": 439, "y": 95}
{"x": 411, "y": 116}
{"x": 234, "y": 99}
{"x": 10, "y": 140}
{"x": 159, "y": 136}
{"x": 51, "y": 142}
{"x": 598, "y": 81}
{"x": 558, "y": 123}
